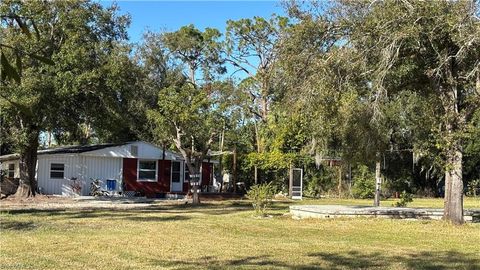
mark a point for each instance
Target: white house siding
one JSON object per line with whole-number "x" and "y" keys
{"x": 101, "y": 168}
{"x": 73, "y": 168}
{"x": 83, "y": 168}
{"x": 4, "y": 167}
{"x": 100, "y": 164}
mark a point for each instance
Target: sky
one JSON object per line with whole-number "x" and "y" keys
{"x": 171, "y": 15}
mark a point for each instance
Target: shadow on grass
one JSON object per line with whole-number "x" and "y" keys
{"x": 421, "y": 260}
{"x": 140, "y": 213}
{"x": 347, "y": 260}
{"x": 17, "y": 226}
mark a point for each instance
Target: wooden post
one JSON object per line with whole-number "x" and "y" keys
{"x": 220, "y": 165}
{"x": 290, "y": 181}
{"x": 378, "y": 181}
{"x": 235, "y": 169}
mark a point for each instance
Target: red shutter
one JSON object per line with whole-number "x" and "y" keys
{"x": 206, "y": 173}
{"x": 130, "y": 173}
{"x": 164, "y": 167}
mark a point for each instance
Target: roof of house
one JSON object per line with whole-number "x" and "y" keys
{"x": 96, "y": 150}
{"x": 71, "y": 149}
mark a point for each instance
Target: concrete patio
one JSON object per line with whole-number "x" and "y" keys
{"x": 336, "y": 211}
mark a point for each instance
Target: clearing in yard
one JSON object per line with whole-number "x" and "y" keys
{"x": 226, "y": 235}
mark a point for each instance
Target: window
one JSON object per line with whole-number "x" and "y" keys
{"x": 175, "y": 171}
{"x": 147, "y": 170}
{"x": 57, "y": 170}
{"x": 11, "y": 170}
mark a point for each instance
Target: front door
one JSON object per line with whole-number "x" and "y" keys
{"x": 176, "y": 180}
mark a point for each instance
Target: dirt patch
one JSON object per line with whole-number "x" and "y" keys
{"x": 35, "y": 200}
{"x": 44, "y": 202}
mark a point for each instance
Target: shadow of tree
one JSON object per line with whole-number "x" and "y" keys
{"x": 179, "y": 211}
{"x": 210, "y": 262}
{"x": 17, "y": 225}
{"x": 422, "y": 260}
{"x": 345, "y": 260}
{"x": 351, "y": 260}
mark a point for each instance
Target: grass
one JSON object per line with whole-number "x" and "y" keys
{"x": 226, "y": 235}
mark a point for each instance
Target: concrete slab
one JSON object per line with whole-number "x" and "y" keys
{"x": 335, "y": 211}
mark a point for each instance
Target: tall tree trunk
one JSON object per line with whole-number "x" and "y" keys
{"x": 340, "y": 183}
{"x": 220, "y": 164}
{"x": 194, "y": 169}
{"x": 257, "y": 140}
{"x": 454, "y": 121}
{"x": 378, "y": 181}
{"x": 28, "y": 165}
{"x": 264, "y": 109}
{"x": 235, "y": 169}
{"x": 453, "y": 201}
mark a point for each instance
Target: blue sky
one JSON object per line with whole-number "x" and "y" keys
{"x": 171, "y": 15}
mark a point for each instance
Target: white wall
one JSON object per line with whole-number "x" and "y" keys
{"x": 4, "y": 167}
{"x": 84, "y": 168}
{"x": 102, "y": 168}
{"x": 100, "y": 164}
{"x": 73, "y": 168}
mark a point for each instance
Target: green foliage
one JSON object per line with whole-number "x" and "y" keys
{"x": 272, "y": 160}
{"x": 191, "y": 107}
{"x": 261, "y": 197}
{"x": 320, "y": 181}
{"x": 473, "y": 188}
{"x": 363, "y": 183}
{"x": 85, "y": 88}
{"x": 196, "y": 49}
{"x": 405, "y": 199}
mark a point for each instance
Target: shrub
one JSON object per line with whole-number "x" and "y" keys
{"x": 261, "y": 196}
{"x": 473, "y": 188}
{"x": 405, "y": 198}
{"x": 318, "y": 181}
{"x": 363, "y": 183}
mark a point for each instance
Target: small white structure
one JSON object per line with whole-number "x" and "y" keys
{"x": 56, "y": 168}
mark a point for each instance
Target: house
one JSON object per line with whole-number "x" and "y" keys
{"x": 132, "y": 167}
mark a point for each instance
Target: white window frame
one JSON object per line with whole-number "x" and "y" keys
{"x": 156, "y": 170}
{"x": 50, "y": 170}
{"x": 8, "y": 170}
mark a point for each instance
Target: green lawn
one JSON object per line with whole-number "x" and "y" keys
{"x": 225, "y": 235}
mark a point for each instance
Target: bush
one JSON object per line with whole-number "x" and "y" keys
{"x": 405, "y": 198}
{"x": 363, "y": 183}
{"x": 473, "y": 188}
{"x": 318, "y": 181}
{"x": 261, "y": 196}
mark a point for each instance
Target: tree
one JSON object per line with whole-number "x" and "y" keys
{"x": 189, "y": 111}
{"x": 79, "y": 37}
{"x": 252, "y": 47}
{"x": 431, "y": 49}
